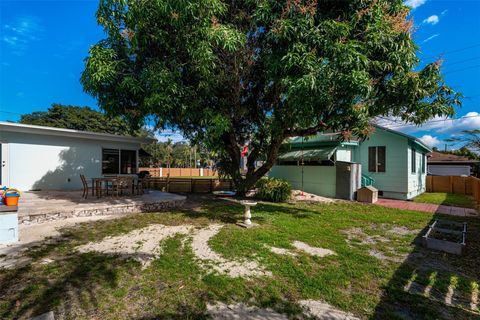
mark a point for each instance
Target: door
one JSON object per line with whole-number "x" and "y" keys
{"x": 4, "y": 178}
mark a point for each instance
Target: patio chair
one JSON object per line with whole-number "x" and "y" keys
{"x": 120, "y": 184}
{"x": 85, "y": 186}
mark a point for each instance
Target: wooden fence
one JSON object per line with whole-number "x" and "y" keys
{"x": 187, "y": 185}
{"x": 180, "y": 172}
{"x": 455, "y": 184}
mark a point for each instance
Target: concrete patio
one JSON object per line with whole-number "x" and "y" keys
{"x": 41, "y": 206}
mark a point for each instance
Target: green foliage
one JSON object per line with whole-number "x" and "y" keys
{"x": 179, "y": 155}
{"x": 80, "y": 118}
{"x": 228, "y": 73}
{"x": 273, "y": 189}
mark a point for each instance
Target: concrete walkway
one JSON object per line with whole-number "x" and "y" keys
{"x": 427, "y": 207}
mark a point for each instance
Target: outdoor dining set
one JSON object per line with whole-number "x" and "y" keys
{"x": 114, "y": 186}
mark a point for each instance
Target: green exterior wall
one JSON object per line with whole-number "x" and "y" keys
{"x": 397, "y": 182}
{"x": 319, "y": 180}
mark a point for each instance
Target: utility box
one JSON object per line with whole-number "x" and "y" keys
{"x": 8, "y": 224}
{"x": 367, "y": 194}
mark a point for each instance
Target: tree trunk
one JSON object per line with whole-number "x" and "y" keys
{"x": 243, "y": 184}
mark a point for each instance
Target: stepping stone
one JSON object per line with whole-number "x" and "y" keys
{"x": 46, "y": 316}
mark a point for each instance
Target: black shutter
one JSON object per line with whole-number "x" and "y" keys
{"x": 382, "y": 159}
{"x": 372, "y": 159}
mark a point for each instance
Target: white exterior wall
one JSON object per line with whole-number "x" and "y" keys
{"x": 343, "y": 154}
{"x": 52, "y": 162}
{"x": 449, "y": 170}
{"x": 417, "y": 181}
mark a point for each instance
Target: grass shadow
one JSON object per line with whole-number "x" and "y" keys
{"x": 420, "y": 287}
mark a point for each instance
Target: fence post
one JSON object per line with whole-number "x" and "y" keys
{"x": 168, "y": 182}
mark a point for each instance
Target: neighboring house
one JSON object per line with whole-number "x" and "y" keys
{"x": 35, "y": 157}
{"x": 391, "y": 161}
{"x": 444, "y": 164}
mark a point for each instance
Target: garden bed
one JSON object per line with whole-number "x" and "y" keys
{"x": 447, "y": 236}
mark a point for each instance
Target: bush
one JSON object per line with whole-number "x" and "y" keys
{"x": 274, "y": 190}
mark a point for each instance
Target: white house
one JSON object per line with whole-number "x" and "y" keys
{"x": 36, "y": 158}
{"x": 445, "y": 164}
{"x": 391, "y": 161}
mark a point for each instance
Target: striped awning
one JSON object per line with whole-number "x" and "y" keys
{"x": 318, "y": 154}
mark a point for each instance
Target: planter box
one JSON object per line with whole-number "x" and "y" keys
{"x": 446, "y": 236}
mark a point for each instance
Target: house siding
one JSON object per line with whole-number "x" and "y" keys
{"x": 394, "y": 181}
{"x": 54, "y": 162}
{"x": 416, "y": 180}
{"x": 319, "y": 180}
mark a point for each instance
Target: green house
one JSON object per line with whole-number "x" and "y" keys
{"x": 391, "y": 161}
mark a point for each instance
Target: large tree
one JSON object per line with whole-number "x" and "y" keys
{"x": 231, "y": 73}
{"x": 78, "y": 118}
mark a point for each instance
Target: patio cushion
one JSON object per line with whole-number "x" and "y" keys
{"x": 309, "y": 155}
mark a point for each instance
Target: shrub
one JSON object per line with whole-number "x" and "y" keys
{"x": 273, "y": 189}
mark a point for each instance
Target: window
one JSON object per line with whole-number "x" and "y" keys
{"x": 128, "y": 162}
{"x": 423, "y": 163}
{"x": 414, "y": 161}
{"x": 377, "y": 159}
{"x": 110, "y": 161}
{"x": 116, "y": 161}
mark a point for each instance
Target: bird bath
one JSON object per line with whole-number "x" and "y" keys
{"x": 247, "y": 223}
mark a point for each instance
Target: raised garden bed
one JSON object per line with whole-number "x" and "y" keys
{"x": 447, "y": 236}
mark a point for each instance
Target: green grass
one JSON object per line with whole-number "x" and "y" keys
{"x": 86, "y": 286}
{"x": 447, "y": 199}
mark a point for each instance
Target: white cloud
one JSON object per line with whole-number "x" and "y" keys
{"x": 433, "y": 20}
{"x": 444, "y": 12}
{"x": 431, "y": 38}
{"x": 414, "y": 3}
{"x": 435, "y": 126}
{"x": 430, "y": 141}
{"x": 166, "y": 135}
{"x": 19, "y": 33}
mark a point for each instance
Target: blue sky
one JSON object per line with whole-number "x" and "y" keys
{"x": 43, "y": 44}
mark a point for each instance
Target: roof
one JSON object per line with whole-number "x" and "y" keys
{"x": 52, "y": 131}
{"x": 447, "y": 158}
{"x": 413, "y": 139}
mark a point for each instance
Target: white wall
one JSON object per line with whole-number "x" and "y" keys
{"x": 49, "y": 162}
{"x": 416, "y": 181}
{"x": 449, "y": 170}
{"x": 343, "y": 154}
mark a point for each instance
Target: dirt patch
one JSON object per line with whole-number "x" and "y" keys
{"x": 314, "y": 251}
{"x": 298, "y": 195}
{"x": 357, "y": 234}
{"x": 240, "y": 311}
{"x": 403, "y": 231}
{"x": 324, "y": 311}
{"x": 211, "y": 259}
{"x": 14, "y": 254}
{"x": 142, "y": 245}
{"x": 282, "y": 251}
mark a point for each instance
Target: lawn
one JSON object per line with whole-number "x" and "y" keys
{"x": 376, "y": 262}
{"x": 446, "y": 199}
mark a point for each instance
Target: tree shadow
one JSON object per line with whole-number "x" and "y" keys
{"x": 419, "y": 288}
{"x": 86, "y": 272}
